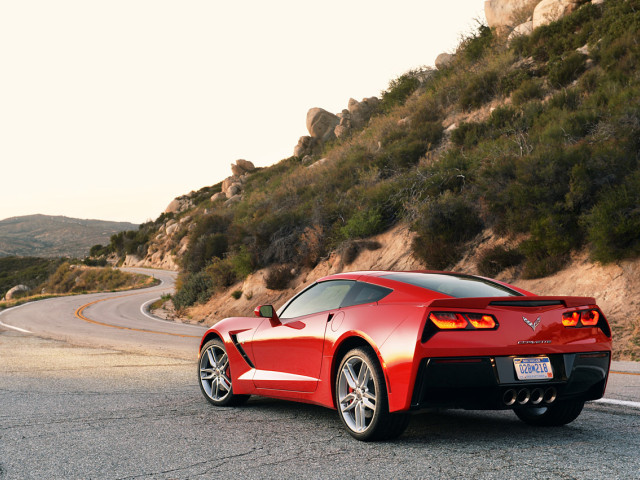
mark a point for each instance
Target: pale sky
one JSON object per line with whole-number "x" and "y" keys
{"x": 111, "y": 109}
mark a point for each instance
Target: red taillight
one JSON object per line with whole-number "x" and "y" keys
{"x": 590, "y": 318}
{"x": 570, "y": 319}
{"x": 581, "y": 318}
{"x": 462, "y": 321}
{"x": 481, "y": 321}
{"x": 448, "y": 320}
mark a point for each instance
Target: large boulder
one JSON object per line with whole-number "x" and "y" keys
{"x": 504, "y": 14}
{"x": 241, "y": 167}
{"x": 523, "y": 29}
{"x": 360, "y": 112}
{"x": 16, "y": 292}
{"x": 178, "y": 205}
{"x": 444, "y": 60}
{"x": 548, "y": 11}
{"x": 321, "y": 124}
{"x": 306, "y": 146}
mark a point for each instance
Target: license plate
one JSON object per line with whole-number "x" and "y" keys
{"x": 537, "y": 368}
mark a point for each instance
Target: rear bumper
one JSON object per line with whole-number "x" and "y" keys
{"x": 488, "y": 383}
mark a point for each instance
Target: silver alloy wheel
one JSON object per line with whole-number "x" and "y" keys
{"x": 214, "y": 373}
{"x": 356, "y": 394}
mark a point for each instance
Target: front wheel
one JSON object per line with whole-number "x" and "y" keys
{"x": 554, "y": 415}
{"x": 361, "y": 398}
{"x": 215, "y": 375}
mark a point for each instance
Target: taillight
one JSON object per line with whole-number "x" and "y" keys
{"x": 570, "y": 319}
{"x": 581, "y": 318}
{"x": 590, "y": 318}
{"x": 481, "y": 321}
{"x": 448, "y": 320}
{"x": 463, "y": 321}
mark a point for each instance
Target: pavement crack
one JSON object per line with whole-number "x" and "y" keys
{"x": 193, "y": 465}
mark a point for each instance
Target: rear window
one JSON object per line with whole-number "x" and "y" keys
{"x": 459, "y": 286}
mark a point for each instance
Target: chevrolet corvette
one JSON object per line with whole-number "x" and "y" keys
{"x": 377, "y": 345}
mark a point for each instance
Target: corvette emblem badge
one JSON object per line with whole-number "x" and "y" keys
{"x": 532, "y": 325}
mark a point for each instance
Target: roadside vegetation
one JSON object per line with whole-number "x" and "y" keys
{"x": 545, "y": 149}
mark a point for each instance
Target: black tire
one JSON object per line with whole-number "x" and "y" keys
{"x": 214, "y": 375}
{"x": 365, "y": 414}
{"x": 553, "y": 415}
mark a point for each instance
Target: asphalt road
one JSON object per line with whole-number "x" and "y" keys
{"x": 134, "y": 410}
{"x": 109, "y": 320}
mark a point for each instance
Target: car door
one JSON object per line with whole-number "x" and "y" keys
{"x": 288, "y": 355}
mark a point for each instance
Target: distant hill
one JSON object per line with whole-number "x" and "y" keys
{"x": 55, "y": 236}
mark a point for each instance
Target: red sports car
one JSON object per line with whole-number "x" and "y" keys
{"x": 377, "y": 345}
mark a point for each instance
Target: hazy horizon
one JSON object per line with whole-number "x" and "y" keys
{"x": 111, "y": 110}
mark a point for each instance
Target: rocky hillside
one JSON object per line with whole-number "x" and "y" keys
{"x": 54, "y": 236}
{"x": 517, "y": 158}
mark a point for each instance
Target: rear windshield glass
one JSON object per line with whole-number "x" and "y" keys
{"x": 459, "y": 286}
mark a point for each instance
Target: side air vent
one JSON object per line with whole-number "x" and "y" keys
{"x": 526, "y": 303}
{"x": 234, "y": 339}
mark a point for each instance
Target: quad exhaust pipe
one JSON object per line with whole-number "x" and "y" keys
{"x": 525, "y": 396}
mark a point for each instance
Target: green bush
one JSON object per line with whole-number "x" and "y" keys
{"x": 236, "y": 294}
{"x": 614, "y": 223}
{"x": 195, "y": 287}
{"x": 203, "y": 249}
{"x": 552, "y": 238}
{"x": 563, "y": 71}
{"x": 528, "y": 90}
{"x": 474, "y": 47}
{"x": 479, "y": 90}
{"x": 468, "y": 134}
{"x": 363, "y": 223}
{"x": 442, "y": 227}
{"x": 494, "y": 260}
{"x": 399, "y": 89}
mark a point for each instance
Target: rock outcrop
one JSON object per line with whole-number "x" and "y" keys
{"x": 16, "y": 291}
{"x": 523, "y": 29}
{"x": 503, "y": 15}
{"x": 179, "y": 204}
{"x": 548, "y": 11}
{"x": 241, "y": 167}
{"x": 324, "y": 126}
{"x": 444, "y": 60}
{"x": 321, "y": 124}
{"x": 520, "y": 17}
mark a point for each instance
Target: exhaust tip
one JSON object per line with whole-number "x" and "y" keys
{"x": 536, "y": 396}
{"x": 523, "y": 396}
{"x": 509, "y": 397}
{"x": 550, "y": 395}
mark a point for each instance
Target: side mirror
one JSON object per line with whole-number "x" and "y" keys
{"x": 267, "y": 311}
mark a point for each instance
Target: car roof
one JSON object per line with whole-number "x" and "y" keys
{"x": 373, "y": 276}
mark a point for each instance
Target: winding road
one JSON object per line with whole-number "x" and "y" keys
{"x": 92, "y": 386}
{"x": 118, "y": 320}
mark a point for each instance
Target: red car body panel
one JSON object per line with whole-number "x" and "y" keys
{"x": 296, "y": 358}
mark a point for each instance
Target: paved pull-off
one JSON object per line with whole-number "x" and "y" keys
{"x": 129, "y": 406}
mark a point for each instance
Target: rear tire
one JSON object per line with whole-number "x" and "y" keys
{"x": 553, "y": 415}
{"x": 215, "y": 375}
{"x": 361, "y": 399}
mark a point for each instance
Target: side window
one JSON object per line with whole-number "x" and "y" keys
{"x": 320, "y": 297}
{"x": 365, "y": 293}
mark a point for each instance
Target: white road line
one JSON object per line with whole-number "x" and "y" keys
{"x": 18, "y": 329}
{"x": 143, "y": 310}
{"x": 622, "y": 403}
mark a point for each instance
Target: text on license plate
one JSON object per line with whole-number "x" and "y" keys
{"x": 538, "y": 368}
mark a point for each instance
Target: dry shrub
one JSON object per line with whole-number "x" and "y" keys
{"x": 311, "y": 247}
{"x": 352, "y": 249}
{"x": 278, "y": 277}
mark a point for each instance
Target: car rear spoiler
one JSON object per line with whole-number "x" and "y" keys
{"x": 520, "y": 301}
